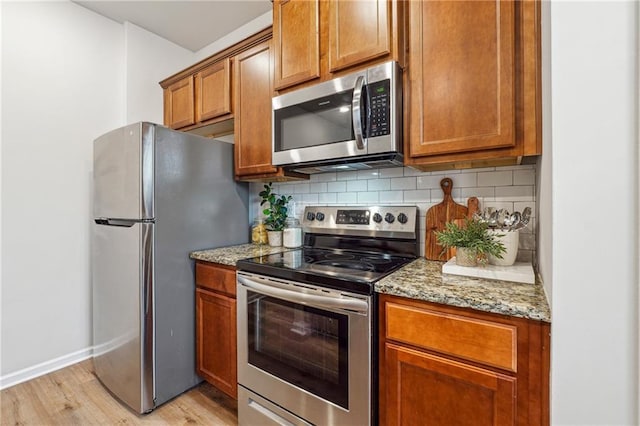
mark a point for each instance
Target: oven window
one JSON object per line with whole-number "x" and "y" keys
{"x": 317, "y": 122}
{"x": 301, "y": 345}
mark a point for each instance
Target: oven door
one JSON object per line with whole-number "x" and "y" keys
{"x": 305, "y": 348}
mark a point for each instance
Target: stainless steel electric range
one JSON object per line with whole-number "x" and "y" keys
{"x": 306, "y": 317}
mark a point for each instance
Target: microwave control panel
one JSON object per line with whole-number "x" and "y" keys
{"x": 379, "y": 120}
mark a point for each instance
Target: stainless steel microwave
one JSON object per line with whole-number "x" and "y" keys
{"x": 348, "y": 123}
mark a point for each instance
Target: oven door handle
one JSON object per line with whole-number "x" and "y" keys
{"x": 265, "y": 288}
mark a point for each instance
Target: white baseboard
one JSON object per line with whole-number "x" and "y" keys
{"x": 44, "y": 368}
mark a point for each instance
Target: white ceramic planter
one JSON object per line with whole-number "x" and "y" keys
{"x": 510, "y": 239}
{"x": 275, "y": 238}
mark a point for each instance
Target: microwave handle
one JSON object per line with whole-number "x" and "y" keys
{"x": 355, "y": 111}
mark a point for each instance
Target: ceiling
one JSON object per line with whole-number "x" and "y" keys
{"x": 190, "y": 24}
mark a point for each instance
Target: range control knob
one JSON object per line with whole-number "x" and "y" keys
{"x": 402, "y": 218}
{"x": 320, "y": 216}
{"x": 389, "y": 218}
{"x": 310, "y": 216}
{"x": 377, "y": 217}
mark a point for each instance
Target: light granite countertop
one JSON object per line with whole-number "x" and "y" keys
{"x": 422, "y": 279}
{"x": 230, "y": 255}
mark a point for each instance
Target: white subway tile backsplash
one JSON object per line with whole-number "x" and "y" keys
{"x": 351, "y": 175}
{"x": 391, "y": 172}
{"x": 318, "y": 187}
{"x": 465, "y": 180}
{"x": 511, "y": 188}
{"x": 524, "y": 177}
{"x": 390, "y": 197}
{"x": 368, "y": 174}
{"x": 368, "y": 198}
{"x": 347, "y": 197}
{"x": 356, "y": 185}
{"x": 446, "y": 172}
{"x": 496, "y": 178}
{"x": 324, "y": 177}
{"x": 378, "y": 184}
{"x": 339, "y": 186}
{"x": 301, "y": 188}
{"x": 417, "y": 196}
{"x": 408, "y": 171}
{"x": 310, "y": 198}
{"x": 403, "y": 183}
{"x": 515, "y": 193}
{"x": 328, "y": 198}
{"x": 487, "y": 192}
{"x": 428, "y": 182}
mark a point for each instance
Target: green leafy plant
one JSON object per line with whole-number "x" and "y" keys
{"x": 276, "y": 212}
{"x": 474, "y": 235}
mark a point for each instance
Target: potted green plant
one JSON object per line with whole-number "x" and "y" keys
{"x": 275, "y": 214}
{"x": 472, "y": 241}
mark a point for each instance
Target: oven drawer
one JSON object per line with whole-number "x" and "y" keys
{"x": 220, "y": 278}
{"x": 489, "y": 343}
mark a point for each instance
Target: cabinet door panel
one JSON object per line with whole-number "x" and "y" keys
{"x": 216, "y": 340}
{"x": 462, "y": 83}
{"x": 179, "y": 105}
{"x": 296, "y": 41}
{"x": 213, "y": 91}
{"x": 253, "y": 89}
{"x": 358, "y": 31}
{"x": 423, "y": 389}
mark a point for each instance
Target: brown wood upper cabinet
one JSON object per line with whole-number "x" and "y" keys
{"x": 178, "y": 104}
{"x": 199, "y": 98}
{"x": 321, "y": 39}
{"x": 213, "y": 91}
{"x": 473, "y": 90}
{"x": 441, "y": 365}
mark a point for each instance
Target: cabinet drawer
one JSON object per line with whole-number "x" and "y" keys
{"x": 216, "y": 277}
{"x": 490, "y": 343}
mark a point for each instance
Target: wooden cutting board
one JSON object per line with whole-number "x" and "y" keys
{"x": 438, "y": 215}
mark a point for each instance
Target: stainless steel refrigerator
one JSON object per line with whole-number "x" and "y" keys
{"x": 158, "y": 194}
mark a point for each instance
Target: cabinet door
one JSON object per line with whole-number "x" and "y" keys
{"x": 253, "y": 92}
{"x": 358, "y": 31}
{"x": 296, "y": 37}
{"x": 216, "y": 340}
{"x": 423, "y": 389}
{"x": 462, "y": 86}
{"x": 213, "y": 91}
{"x": 178, "y": 104}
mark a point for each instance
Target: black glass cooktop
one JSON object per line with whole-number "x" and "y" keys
{"x": 339, "y": 269}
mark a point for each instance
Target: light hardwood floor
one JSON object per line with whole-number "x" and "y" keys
{"x": 74, "y": 396}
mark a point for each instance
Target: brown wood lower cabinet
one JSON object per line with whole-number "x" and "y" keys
{"x": 441, "y": 365}
{"x": 216, "y": 326}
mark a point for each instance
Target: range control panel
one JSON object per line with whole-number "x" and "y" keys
{"x": 378, "y": 221}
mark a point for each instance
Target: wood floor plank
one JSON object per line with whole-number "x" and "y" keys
{"x": 74, "y": 396}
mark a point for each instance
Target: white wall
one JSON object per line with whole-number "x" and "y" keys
{"x": 68, "y": 76}
{"x": 260, "y": 23}
{"x": 62, "y": 85}
{"x": 149, "y": 59}
{"x": 594, "y": 149}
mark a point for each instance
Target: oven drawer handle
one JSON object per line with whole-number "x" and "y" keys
{"x": 307, "y": 299}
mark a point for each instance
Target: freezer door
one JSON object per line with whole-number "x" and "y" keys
{"x": 123, "y": 173}
{"x": 123, "y": 311}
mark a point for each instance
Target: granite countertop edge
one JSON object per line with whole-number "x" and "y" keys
{"x": 422, "y": 279}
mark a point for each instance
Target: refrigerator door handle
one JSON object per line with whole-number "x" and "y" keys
{"x": 116, "y": 222}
